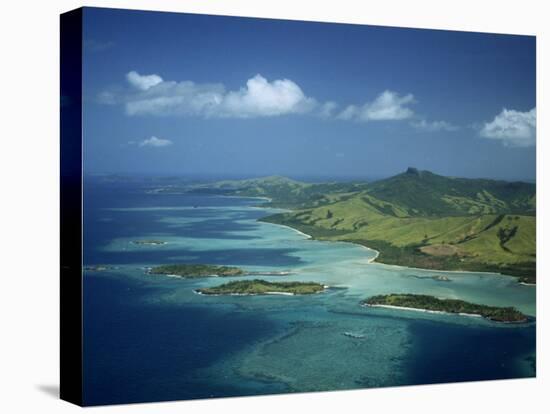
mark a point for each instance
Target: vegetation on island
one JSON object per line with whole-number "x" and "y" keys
{"x": 205, "y": 270}
{"x": 424, "y": 220}
{"x": 431, "y": 303}
{"x": 263, "y": 287}
{"x": 197, "y": 270}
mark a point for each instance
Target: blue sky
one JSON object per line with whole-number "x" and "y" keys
{"x": 183, "y": 94}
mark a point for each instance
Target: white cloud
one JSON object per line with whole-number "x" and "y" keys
{"x": 434, "y": 126}
{"x": 512, "y": 128}
{"x": 155, "y": 142}
{"x": 259, "y": 98}
{"x": 388, "y": 106}
{"x": 262, "y": 98}
{"x": 172, "y": 98}
{"x": 142, "y": 82}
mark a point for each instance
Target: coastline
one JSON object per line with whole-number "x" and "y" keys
{"x": 443, "y": 270}
{"x": 309, "y": 237}
{"x": 280, "y": 274}
{"x": 244, "y": 294}
{"x": 373, "y": 260}
{"x": 472, "y": 315}
{"x": 198, "y": 292}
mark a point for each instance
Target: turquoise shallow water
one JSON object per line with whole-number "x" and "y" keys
{"x": 280, "y": 343}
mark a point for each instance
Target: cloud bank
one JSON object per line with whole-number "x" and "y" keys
{"x": 512, "y": 128}
{"x": 155, "y": 142}
{"x": 151, "y": 95}
{"x": 154, "y": 96}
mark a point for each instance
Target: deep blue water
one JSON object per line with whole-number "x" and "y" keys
{"x": 137, "y": 353}
{"x": 456, "y": 353}
{"x": 138, "y": 350}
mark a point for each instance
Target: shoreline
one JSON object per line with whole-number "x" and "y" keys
{"x": 307, "y": 236}
{"x": 198, "y": 292}
{"x": 244, "y": 294}
{"x": 147, "y": 271}
{"x": 377, "y": 254}
{"x": 372, "y": 260}
{"x": 443, "y": 270}
{"x": 473, "y": 315}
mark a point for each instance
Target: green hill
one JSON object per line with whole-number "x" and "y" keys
{"x": 288, "y": 193}
{"x": 426, "y": 193}
{"x": 421, "y": 219}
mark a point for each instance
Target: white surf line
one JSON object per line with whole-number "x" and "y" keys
{"x": 307, "y": 236}
{"x": 473, "y": 315}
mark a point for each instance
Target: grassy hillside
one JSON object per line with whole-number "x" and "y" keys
{"x": 283, "y": 192}
{"x": 425, "y": 193}
{"x": 287, "y": 193}
{"x": 421, "y": 219}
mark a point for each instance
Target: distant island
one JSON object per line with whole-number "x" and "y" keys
{"x": 190, "y": 271}
{"x": 149, "y": 242}
{"x": 196, "y": 270}
{"x": 263, "y": 287}
{"x": 455, "y": 306}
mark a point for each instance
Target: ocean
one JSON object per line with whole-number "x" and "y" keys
{"x": 151, "y": 338}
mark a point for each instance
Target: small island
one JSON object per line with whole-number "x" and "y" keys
{"x": 432, "y": 304}
{"x": 149, "y": 242}
{"x": 196, "y": 270}
{"x": 263, "y": 287}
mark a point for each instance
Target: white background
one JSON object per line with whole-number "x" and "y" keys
{"x": 29, "y": 243}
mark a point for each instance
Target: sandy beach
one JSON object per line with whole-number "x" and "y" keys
{"x": 474, "y": 315}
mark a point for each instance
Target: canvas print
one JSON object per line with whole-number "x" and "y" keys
{"x": 275, "y": 206}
